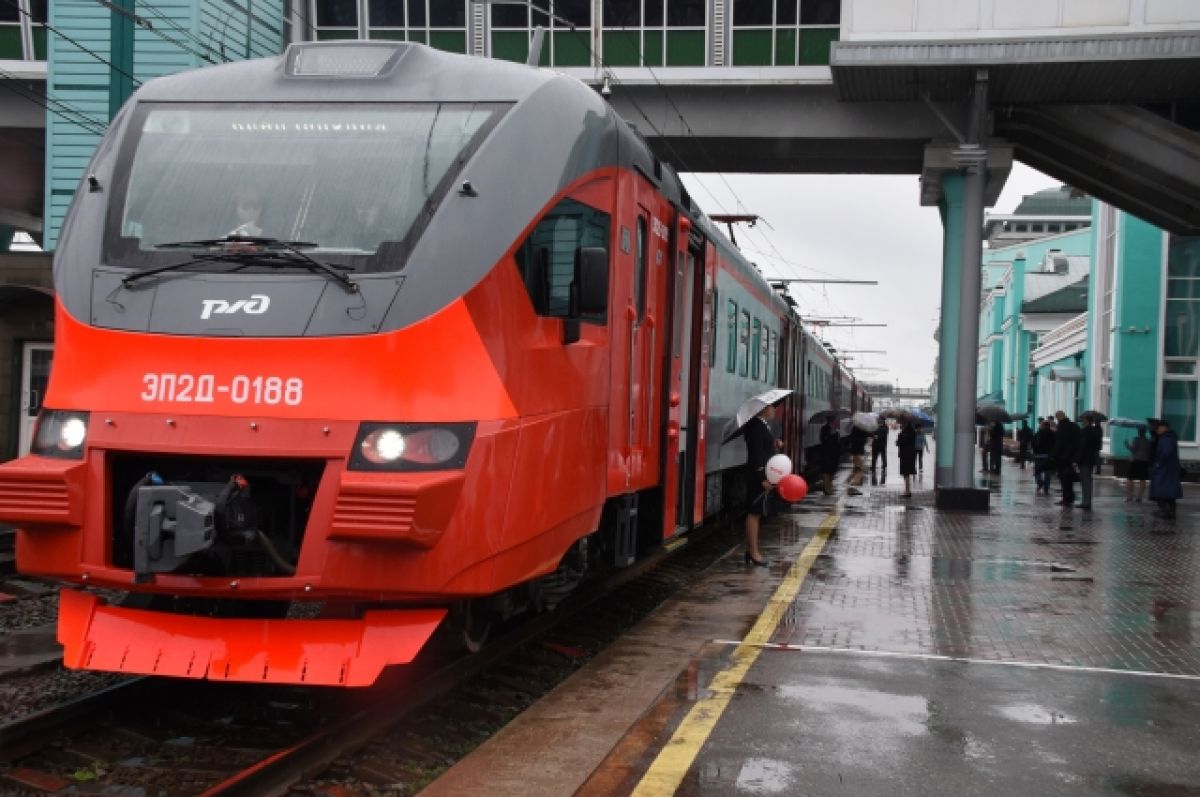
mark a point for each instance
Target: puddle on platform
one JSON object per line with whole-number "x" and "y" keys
{"x": 1031, "y": 714}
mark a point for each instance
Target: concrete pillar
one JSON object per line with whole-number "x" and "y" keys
{"x": 950, "y": 206}
{"x": 974, "y": 186}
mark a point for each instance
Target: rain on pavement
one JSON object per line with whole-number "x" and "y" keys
{"x": 1030, "y": 649}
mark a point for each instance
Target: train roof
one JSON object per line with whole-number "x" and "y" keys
{"x": 375, "y": 71}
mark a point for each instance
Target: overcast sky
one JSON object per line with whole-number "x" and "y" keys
{"x": 854, "y": 227}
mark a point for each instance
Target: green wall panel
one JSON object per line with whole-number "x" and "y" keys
{"x": 685, "y": 48}
{"x": 752, "y": 48}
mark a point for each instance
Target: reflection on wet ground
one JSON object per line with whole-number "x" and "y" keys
{"x": 1030, "y": 650}
{"x": 1028, "y": 581}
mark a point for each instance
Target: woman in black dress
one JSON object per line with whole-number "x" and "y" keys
{"x": 760, "y": 447}
{"x": 906, "y": 442}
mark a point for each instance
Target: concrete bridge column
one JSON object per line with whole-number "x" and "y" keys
{"x": 951, "y": 208}
{"x": 963, "y": 196}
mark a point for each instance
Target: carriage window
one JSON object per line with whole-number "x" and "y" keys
{"x": 547, "y": 257}
{"x": 731, "y": 352}
{"x": 639, "y": 268}
{"x": 744, "y": 348}
{"x": 756, "y": 349}
{"x": 772, "y": 355}
{"x": 714, "y": 305}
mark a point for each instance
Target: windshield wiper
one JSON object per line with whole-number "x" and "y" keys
{"x": 250, "y": 251}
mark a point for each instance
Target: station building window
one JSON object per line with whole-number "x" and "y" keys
{"x": 513, "y": 26}
{"x": 23, "y": 35}
{"x": 784, "y": 32}
{"x": 1181, "y": 337}
{"x": 438, "y": 23}
{"x": 547, "y": 257}
{"x": 654, "y": 32}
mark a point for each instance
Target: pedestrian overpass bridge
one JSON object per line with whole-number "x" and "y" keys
{"x": 1104, "y": 95}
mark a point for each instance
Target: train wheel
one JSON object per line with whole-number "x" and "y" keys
{"x": 476, "y": 626}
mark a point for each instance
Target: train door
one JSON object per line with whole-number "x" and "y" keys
{"x": 35, "y": 375}
{"x": 705, "y": 328}
{"x": 650, "y": 241}
{"x": 682, "y": 382}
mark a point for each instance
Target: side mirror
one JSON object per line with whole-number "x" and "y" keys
{"x": 588, "y": 293}
{"x": 591, "y": 281}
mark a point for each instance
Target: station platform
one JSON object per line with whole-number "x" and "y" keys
{"x": 895, "y": 649}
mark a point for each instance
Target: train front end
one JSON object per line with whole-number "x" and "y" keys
{"x": 274, "y": 427}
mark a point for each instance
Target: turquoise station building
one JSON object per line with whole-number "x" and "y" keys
{"x": 1085, "y": 307}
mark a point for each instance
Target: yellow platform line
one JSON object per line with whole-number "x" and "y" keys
{"x": 673, "y": 762}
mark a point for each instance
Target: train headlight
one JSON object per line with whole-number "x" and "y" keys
{"x": 411, "y": 446}
{"x": 60, "y": 433}
{"x": 383, "y": 446}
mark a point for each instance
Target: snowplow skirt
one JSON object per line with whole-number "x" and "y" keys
{"x": 97, "y": 636}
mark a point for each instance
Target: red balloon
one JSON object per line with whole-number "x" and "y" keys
{"x": 792, "y": 488}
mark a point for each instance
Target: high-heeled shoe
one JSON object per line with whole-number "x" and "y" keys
{"x": 750, "y": 560}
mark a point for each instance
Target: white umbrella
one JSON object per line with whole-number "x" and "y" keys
{"x": 867, "y": 421}
{"x": 751, "y": 407}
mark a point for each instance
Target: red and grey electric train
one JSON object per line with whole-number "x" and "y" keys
{"x": 370, "y": 337}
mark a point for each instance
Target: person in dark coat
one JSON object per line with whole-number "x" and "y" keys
{"x": 995, "y": 446}
{"x": 831, "y": 452}
{"x": 1043, "y": 456}
{"x": 761, "y": 445}
{"x": 1087, "y": 453}
{"x": 906, "y": 444}
{"x": 1141, "y": 451}
{"x": 1024, "y": 442}
{"x": 858, "y": 449}
{"x": 983, "y": 448}
{"x": 1065, "y": 444}
{"x": 1166, "y": 475}
{"x": 879, "y": 451}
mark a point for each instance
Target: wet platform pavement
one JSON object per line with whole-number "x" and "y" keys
{"x": 1032, "y": 649}
{"x": 1035, "y": 649}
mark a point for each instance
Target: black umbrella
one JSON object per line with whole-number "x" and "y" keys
{"x": 990, "y": 413}
{"x": 824, "y": 415}
{"x": 1095, "y": 415}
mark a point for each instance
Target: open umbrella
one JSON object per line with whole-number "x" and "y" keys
{"x": 922, "y": 418}
{"x": 1128, "y": 423}
{"x": 990, "y": 413}
{"x": 867, "y": 421}
{"x": 1094, "y": 415}
{"x": 823, "y": 416}
{"x": 751, "y": 407}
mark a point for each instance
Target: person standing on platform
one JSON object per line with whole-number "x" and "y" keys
{"x": 906, "y": 444}
{"x": 1024, "y": 441}
{"x": 831, "y": 452}
{"x": 858, "y": 449}
{"x": 1065, "y": 444}
{"x": 1166, "y": 476}
{"x": 922, "y": 445}
{"x": 760, "y": 447}
{"x": 983, "y": 448}
{"x": 1043, "y": 456}
{"x": 879, "y": 451}
{"x": 1091, "y": 440}
{"x": 1141, "y": 451}
{"x": 996, "y": 446}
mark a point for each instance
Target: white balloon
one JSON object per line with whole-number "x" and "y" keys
{"x": 778, "y": 466}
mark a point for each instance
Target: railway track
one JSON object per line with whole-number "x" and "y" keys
{"x": 173, "y": 737}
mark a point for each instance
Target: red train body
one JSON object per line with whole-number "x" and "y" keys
{"x": 298, "y": 481}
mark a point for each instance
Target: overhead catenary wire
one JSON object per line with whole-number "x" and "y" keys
{"x": 174, "y": 25}
{"x": 65, "y": 37}
{"x": 63, "y": 110}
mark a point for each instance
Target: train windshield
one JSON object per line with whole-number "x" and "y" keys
{"x": 357, "y": 181}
